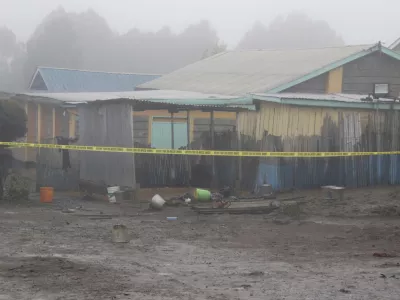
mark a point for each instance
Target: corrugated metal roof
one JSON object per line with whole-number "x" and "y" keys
{"x": 328, "y": 100}
{"x": 251, "y": 71}
{"x": 340, "y": 97}
{"x": 156, "y": 96}
{"x": 395, "y": 44}
{"x": 56, "y": 80}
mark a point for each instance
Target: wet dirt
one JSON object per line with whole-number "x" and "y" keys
{"x": 316, "y": 251}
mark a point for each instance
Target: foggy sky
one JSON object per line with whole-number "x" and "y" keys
{"x": 357, "y": 21}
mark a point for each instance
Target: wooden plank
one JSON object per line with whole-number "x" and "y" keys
{"x": 243, "y": 210}
{"x": 335, "y": 81}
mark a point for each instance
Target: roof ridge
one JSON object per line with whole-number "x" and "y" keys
{"x": 301, "y": 49}
{"x": 94, "y": 71}
{"x": 394, "y": 44}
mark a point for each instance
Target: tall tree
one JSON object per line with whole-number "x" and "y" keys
{"x": 55, "y": 44}
{"x": 95, "y": 40}
{"x": 297, "y": 30}
{"x": 8, "y": 52}
{"x": 8, "y": 42}
{"x": 163, "y": 51}
{"x": 85, "y": 41}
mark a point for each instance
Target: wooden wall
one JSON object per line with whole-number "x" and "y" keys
{"x": 357, "y": 77}
{"x": 360, "y": 76}
{"x": 302, "y": 129}
{"x": 285, "y": 120}
{"x": 44, "y": 122}
{"x": 314, "y": 85}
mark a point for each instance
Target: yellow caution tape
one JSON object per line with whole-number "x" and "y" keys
{"x": 195, "y": 152}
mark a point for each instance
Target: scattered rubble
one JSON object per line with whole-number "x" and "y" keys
{"x": 383, "y": 254}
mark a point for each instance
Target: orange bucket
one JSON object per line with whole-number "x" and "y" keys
{"x": 46, "y": 194}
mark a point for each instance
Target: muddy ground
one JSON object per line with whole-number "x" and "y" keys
{"x": 319, "y": 249}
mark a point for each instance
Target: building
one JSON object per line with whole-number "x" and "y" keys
{"x": 308, "y": 100}
{"x": 285, "y": 86}
{"x": 157, "y": 119}
{"x": 293, "y": 122}
{"x": 58, "y": 80}
{"x": 46, "y": 119}
{"x": 348, "y": 69}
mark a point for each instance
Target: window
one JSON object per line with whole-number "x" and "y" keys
{"x": 161, "y": 133}
{"x": 381, "y": 89}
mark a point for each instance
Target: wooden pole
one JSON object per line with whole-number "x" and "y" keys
{"x": 173, "y": 175}
{"x": 132, "y": 123}
{"x": 136, "y": 186}
{"x": 172, "y": 131}
{"x": 188, "y": 146}
{"x": 239, "y": 148}
{"x": 212, "y": 131}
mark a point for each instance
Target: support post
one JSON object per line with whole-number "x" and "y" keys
{"x": 173, "y": 174}
{"x": 239, "y": 148}
{"x": 135, "y": 186}
{"x": 172, "y": 131}
{"x": 212, "y": 131}
{"x": 53, "y": 112}
{"x": 27, "y": 133}
{"x": 39, "y": 124}
{"x": 189, "y": 166}
{"x": 39, "y": 128}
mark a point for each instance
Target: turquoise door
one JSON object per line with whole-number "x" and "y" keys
{"x": 161, "y": 135}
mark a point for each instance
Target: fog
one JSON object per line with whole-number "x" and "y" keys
{"x": 159, "y": 36}
{"x": 357, "y": 21}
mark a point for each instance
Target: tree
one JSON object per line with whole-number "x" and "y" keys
{"x": 8, "y": 50}
{"x": 12, "y": 121}
{"x": 297, "y": 30}
{"x": 54, "y": 43}
{"x": 8, "y": 42}
{"x": 12, "y": 127}
{"x": 85, "y": 41}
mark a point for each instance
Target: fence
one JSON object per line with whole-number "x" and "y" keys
{"x": 52, "y": 169}
{"x": 281, "y": 173}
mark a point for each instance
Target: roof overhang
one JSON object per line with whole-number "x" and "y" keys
{"x": 329, "y": 101}
{"x": 145, "y": 100}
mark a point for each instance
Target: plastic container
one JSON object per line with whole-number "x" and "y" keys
{"x": 202, "y": 195}
{"x": 265, "y": 189}
{"x": 46, "y": 194}
{"x": 120, "y": 234}
{"x": 157, "y": 201}
{"x": 111, "y": 190}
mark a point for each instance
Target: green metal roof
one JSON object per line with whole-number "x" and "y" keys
{"x": 350, "y": 101}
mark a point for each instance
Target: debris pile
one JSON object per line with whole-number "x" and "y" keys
{"x": 204, "y": 201}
